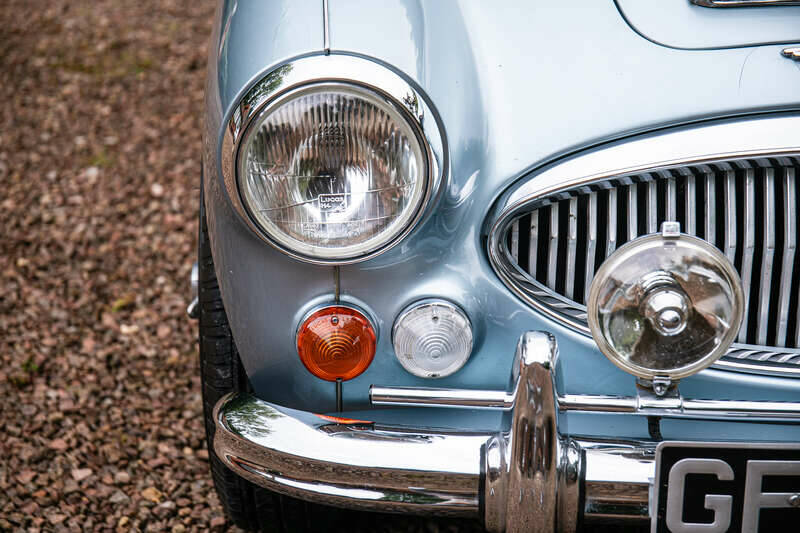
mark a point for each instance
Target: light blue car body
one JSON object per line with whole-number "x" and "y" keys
{"x": 516, "y": 85}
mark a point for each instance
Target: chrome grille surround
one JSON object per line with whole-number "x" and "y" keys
{"x": 756, "y": 151}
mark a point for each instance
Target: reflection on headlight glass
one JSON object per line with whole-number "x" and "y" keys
{"x": 663, "y": 306}
{"x": 332, "y": 172}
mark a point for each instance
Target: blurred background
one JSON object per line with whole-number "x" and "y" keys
{"x": 100, "y": 112}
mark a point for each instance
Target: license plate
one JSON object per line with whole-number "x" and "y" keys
{"x": 726, "y": 487}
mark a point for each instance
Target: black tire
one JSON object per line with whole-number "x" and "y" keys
{"x": 246, "y": 505}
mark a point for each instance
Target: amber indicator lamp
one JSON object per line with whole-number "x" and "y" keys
{"x": 336, "y": 343}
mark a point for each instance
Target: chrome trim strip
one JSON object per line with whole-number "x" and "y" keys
{"x": 424, "y": 397}
{"x": 345, "y": 69}
{"x": 326, "y": 31}
{"x": 686, "y": 408}
{"x": 644, "y": 405}
{"x": 745, "y": 3}
{"x": 694, "y": 145}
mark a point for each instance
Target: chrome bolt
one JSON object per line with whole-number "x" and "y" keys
{"x": 794, "y": 500}
{"x": 661, "y": 385}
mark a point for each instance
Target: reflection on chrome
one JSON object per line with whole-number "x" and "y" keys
{"x": 530, "y": 476}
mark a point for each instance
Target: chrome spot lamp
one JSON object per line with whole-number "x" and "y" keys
{"x": 665, "y": 306}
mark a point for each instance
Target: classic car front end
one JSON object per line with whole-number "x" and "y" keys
{"x": 532, "y": 263}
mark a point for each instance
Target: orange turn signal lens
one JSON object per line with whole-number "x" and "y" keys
{"x": 336, "y": 343}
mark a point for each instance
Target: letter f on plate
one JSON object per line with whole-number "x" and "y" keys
{"x": 721, "y": 505}
{"x": 755, "y": 500}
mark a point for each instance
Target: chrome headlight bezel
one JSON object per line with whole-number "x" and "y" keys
{"x": 355, "y": 72}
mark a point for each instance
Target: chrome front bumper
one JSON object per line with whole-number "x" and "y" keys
{"x": 531, "y": 477}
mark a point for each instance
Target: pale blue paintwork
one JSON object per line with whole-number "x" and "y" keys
{"x": 517, "y": 85}
{"x": 681, "y": 24}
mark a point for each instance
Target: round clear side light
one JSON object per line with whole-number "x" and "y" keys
{"x": 333, "y": 171}
{"x": 432, "y": 338}
{"x": 665, "y": 305}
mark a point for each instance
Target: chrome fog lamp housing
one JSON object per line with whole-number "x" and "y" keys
{"x": 332, "y": 159}
{"x": 665, "y": 306}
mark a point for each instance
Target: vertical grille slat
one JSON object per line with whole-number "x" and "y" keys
{"x": 591, "y": 243}
{"x": 672, "y": 209}
{"x": 611, "y": 235}
{"x": 652, "y": 206}
{"x": 710, "y": 209}
{"x": 729, "y": 203}
{"x": 690, "y": 200}
{"x": 514, "y": 244}
{"x": 572, "y": 246}
{"x": 749, "y": 209}
{"x": 748, "y": 244}
{"x": 767, "y": 254}
{"x": 789, "y": 244}
{"x": 552, "y": 261}
{"x": 533, "y": 248}
{"x": 633, "y": 218}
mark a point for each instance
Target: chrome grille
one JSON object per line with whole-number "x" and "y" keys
{"x": 748, "y": 208}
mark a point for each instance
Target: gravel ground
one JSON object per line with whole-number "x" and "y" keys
{"x": 99, "y": 162}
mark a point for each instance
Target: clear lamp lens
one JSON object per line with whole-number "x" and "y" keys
{"x": 332, "y": 171}
{"x": 665, "y": 306}
{"x": 432, "y": 339}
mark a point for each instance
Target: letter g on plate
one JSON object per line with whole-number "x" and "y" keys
{"x": 720, "y": 504}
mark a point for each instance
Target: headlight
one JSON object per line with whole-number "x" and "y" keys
{"x": 333, "y": 171}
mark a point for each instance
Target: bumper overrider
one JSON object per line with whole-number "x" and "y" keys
{"x": 533, "y": 476}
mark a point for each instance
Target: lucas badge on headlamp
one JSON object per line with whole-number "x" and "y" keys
{"x": 666, "y": 305}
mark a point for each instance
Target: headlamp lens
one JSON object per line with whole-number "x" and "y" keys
{"x": 332, "y": 171}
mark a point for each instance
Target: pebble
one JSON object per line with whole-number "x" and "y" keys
{"x": 79, "y": 474}
{"x": 152, "y": 494}
{"x": 118, "y": 497}
{"x": 164, "y": 509}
